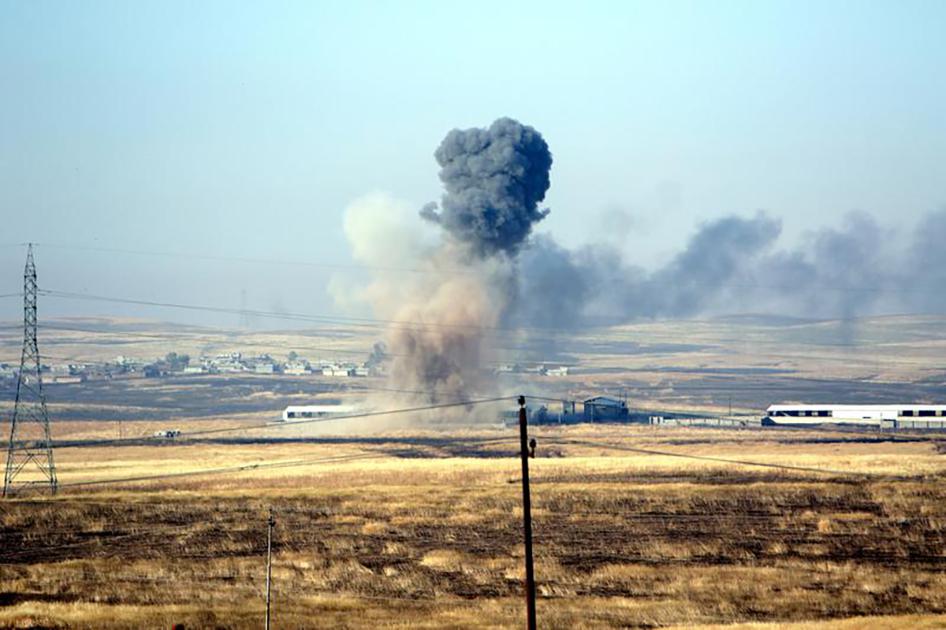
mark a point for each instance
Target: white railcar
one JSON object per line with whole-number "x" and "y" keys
{"x": 907, "y": 414}
{"x": 295, "y": 413}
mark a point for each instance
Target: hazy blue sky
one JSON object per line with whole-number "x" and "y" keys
{"x": 239, "y": 129}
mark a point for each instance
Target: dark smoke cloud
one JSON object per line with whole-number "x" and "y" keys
{"x": 925, "y": 273}
{"x": 379, "y": 354}
{"x": 494, "y": 180}
{"x": 734, "y": 265}
{"x": 491, "y": 271}
{"x": 593, "y": 285}
{"x": 713, "y": 257}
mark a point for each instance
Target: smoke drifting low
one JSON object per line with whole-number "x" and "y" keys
{"x": 735, "y": 265}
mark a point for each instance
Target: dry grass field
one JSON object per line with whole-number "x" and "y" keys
{"x": 422, "y": 529}
{"x": 383, "y": 525}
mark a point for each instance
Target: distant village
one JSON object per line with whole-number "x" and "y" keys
{"x": 541, "y": 370}
{"x": 174, "y": 364}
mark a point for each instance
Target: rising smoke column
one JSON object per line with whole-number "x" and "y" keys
{"x": 494, "y": 180}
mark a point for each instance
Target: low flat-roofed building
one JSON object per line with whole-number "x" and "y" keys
{"x": 605, "y": 409}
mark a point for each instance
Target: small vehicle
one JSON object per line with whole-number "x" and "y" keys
{"x": 167, "y": 433}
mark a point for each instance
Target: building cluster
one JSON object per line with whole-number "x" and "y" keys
{"x": 7, "y": 371}
{"x": 541, "y": 370}
{"x": 595, "y": 409}
{"x": 237, "y": 363}
{"x": 174, "y": 364}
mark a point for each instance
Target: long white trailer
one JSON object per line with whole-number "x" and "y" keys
{"x": 295, "y": 413}
{"x": 906, "y": 414}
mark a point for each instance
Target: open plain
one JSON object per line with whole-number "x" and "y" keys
{"x": 407, "y": 521}
{"x": 422, "y": 529}
{"x": 293, "y": 295}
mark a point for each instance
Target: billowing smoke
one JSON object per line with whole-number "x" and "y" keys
{"x": 735, "y": 265}
{"x": 379, "y": 353}
{"x": 565, "y": 289}
{"x": 494, "y": 179}
{"x": 455, "y": 283}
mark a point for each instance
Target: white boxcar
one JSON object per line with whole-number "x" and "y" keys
{"x": 295, "y": 413}
{"x": 865, "y": 415}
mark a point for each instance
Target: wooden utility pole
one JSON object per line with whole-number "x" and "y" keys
{"x": 527, "y": 513}
{"x": 269, "y": 560}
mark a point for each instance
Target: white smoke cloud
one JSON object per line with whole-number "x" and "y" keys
{"x": 442, "y": 302}
{"x": 386, "y": 238}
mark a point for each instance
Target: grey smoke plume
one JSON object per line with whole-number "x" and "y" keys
{"x": 487, "y": 270}
{"x": 494, "y": 179}
{"x": 593, "y": 285}
{"x": 734, "y": 265}
{"x": 442, "y": 351}
{"x": 379, "y": 353}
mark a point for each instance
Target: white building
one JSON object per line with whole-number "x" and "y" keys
{"x": 337, "y": 370}
{"x": 296, "y": 368}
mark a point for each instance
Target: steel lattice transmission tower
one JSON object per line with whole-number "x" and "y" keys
{"x": 29, "y": 448}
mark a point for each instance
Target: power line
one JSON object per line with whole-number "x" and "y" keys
{"x": 933, "y": 283}
{"x": 254, "y": 261}
{"x": 556, "y": 400}
{"x": 497, "y": 331}
{"x": 208, "y": 338}
{"x": 220, "y": 339}
{"x": 724, "y": 460}
{"x": 301, "y": 317}
{"x": 341, "y": 386}
{"x": 338, "y": 319}
{"x": 706, "y": 387}
{"x": 224, "y": 470}
{"x": 62, "y": 358}
{"x": 900, "y": 435}
{"x": 280, "y": 425}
